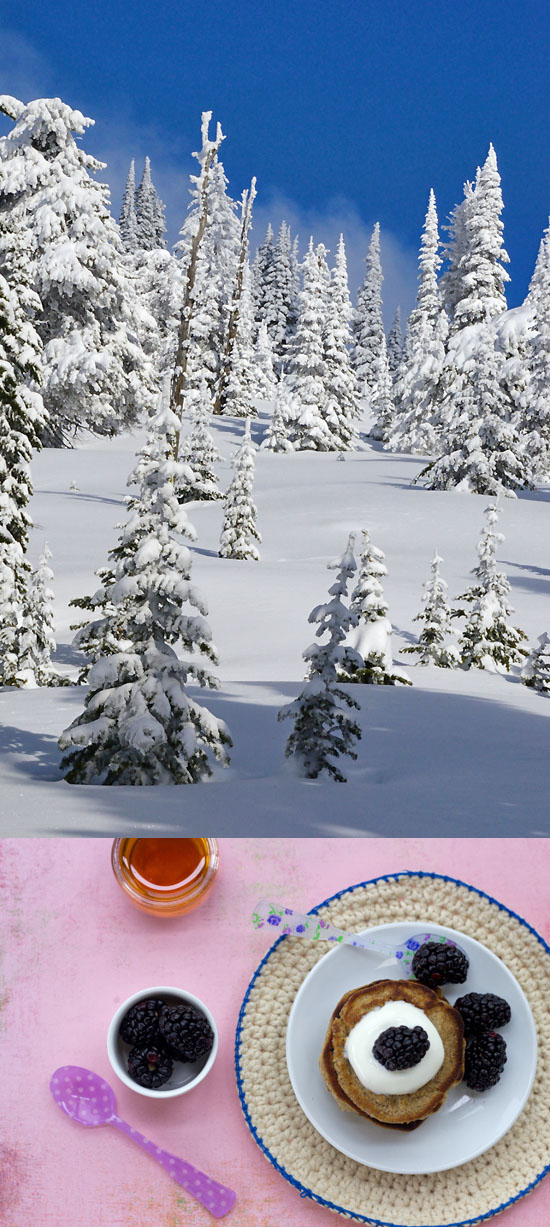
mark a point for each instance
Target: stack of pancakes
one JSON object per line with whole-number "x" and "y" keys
{"x": 401, "y": 1111}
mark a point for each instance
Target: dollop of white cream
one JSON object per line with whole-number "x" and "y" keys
{"x": 370, "y": 1072}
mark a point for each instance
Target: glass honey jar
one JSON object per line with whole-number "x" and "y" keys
{"x": 165, "y": 876}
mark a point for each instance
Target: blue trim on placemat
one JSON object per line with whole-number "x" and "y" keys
{"x": 302, "y": 1190}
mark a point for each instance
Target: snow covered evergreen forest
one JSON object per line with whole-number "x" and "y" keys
{"x": 240, "y": 546}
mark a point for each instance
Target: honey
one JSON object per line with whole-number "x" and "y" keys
{"x": 166, "y": 876}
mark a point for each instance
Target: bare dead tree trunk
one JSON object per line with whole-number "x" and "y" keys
{"x": 205, "y": 158}
{"x": 247, "y": 200}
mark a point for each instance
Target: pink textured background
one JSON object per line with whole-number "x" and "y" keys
{"x": 73, "y": 947}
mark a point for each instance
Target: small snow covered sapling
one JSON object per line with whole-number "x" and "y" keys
{"x": 536, "y": 670}
{"x": 263, "y": 373}
{"x": 323, "y": 730}
{"x": 198, "y": 449}
{"x": 372, "y": 637}
{"x": 276, "y": 437}
{"x": 239, "y": 531}
{"x": 37, "y": 640}
{"x": 487, "y": 640}
{"x": 432, "y": 647}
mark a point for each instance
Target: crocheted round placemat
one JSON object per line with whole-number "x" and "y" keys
{"x": 463, "y": 1195}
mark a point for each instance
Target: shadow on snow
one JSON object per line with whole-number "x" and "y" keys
{"x": 429, "y": 764}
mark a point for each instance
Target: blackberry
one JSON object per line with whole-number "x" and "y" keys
{"x": 485, "y": 1061}
{"x": 149, "y": 1065}
{"x": 482, "y": 1012}
{"x": 186, "y": 1033}
{"x": 401, "y": 1047}
{"x": 435, "y": 964}
{"x": 141, "y": 1023}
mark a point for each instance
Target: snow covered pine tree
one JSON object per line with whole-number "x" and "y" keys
{"x": 484, "y": 453}
{"x": 276, "y": 286}
{"x": 235, "y": 387}
{"x": 149, "y": 213}
{"x": 481, "y": 443}
{"x": 22, "y": 418}
{"x": 94, "y": 373}
{"x": 369, "y": 354}
{"x": 535, "y": 401}
{"x": 199, "y": 479}
{"x": 308, "y": 428}
{"x": 371, "y": 638}
{"x": 276, "y": 437}
{"x": 432, "y": 647}
{"x": 474, "y": 283}
{"x": 209, "y": 252}
{"x": 487, "y": 640}
{"x": 323, "y": 731}
{"x": 140, "y": 726}
{"x": 536, "y": 670}
{"x": 37, "y": 638}
{"x": 416, "y": 384}
{"x": 394, "y": 345}
{"x": 154, "y": 272}
{"x": 127, "y": 220}
{"x": 341, "y": 409}
{"x": 239, "y": 531}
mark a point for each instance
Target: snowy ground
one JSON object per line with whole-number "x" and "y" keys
{"x": 456, "y": 753}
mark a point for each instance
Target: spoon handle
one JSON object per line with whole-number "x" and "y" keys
{"x": 287, "y": 920}
{"x": 215, "y": 1197}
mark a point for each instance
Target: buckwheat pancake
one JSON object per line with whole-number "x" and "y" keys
{"x": 401, "y": 1111}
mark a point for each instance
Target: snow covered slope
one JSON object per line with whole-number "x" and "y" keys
{"x": 456, "y": 753}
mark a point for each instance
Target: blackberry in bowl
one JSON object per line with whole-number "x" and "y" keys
{"x": 150, "y": 1065}
{"x": 140, "y": 1024}
{"x": 142, "y": 1057}
{"x": 185, "y": 1032}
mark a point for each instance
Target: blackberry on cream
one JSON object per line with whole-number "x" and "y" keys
{"x": 373, "y": 1075}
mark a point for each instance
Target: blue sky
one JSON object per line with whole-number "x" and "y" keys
{"x": 347, "y": 113}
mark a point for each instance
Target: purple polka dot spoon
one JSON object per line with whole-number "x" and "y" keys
{"x": 285, "y": 920}
{"x": 88, "y": 1099}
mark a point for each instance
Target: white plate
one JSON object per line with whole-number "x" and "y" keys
{"x": 469, "y": 1123}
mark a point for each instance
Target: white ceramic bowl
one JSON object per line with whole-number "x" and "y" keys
{"x": 186, "y": 1075}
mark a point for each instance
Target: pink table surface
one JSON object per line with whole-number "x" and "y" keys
{"x": 73, "y": 947}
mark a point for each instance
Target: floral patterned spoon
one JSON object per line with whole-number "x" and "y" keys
{"x": 285, "y": 920}
{"x": 88, "y": 1099}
